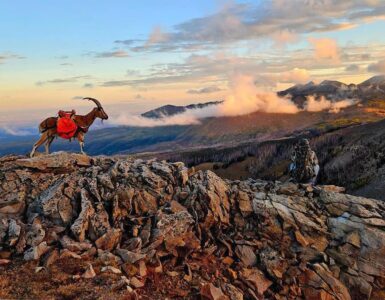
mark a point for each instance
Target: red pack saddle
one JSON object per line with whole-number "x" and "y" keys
{"x": 66, "y": 126}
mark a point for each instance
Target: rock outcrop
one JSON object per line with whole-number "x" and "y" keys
{"x": 220, "y": 239}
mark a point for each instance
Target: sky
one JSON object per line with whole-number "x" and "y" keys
{"x": 138, "y": 55}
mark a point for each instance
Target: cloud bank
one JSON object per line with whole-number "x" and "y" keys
{"x": 378, "y": 67}
{"x": 205, "y": 90}
{"x": 14, "y": 131}
{"x": 280, "y": 20}
{"x": 314, "y": 105}
{"x": 116, "y": 54}
{"x": 244, "y": 98}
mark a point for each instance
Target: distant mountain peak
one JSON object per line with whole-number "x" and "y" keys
{"x": 378, "y": 79}
{"x": 373, "y": 88}
{"x": 171, "y": 110}
{"x": 332, "y": 82}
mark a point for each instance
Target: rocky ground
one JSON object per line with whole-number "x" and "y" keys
{"x": 74, "y": 226}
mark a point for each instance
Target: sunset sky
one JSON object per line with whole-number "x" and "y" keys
{"x": 137, "y": 55}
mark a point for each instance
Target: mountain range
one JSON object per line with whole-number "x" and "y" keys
{"x": 170, "y": 110}
{"x": 373, "y": 88}
{"x": 257, "y": 144}
{"x": 220, "y": 131}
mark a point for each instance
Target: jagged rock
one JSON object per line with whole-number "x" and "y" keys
{"x": 182, "y": 173}
{"x": 133, "y": 244}
{"x": 89, "y": 273}
{"x": 128, "y": 256}
{"x": 209, "y": 291}
{"x": 136, "y": 283}
{"x": 242, "y": 239}
{"x": 354, "y": 238}
{"x": 81, "y": 224}
{"x": 146, "y": 232}
{"x": 74, "y": 246}
{"x": 256, "y": 279}
{"x": 35, "y": 235}
{"x": 59, "y": 161}
{"x": 4, "y": 261}
{"x": 109, "y": 240}
{"x": 247, "y": 255}
{"x": 67, "y": 253}
{"x": 99, "y": 223}
{"x": 111, "y": 269}
{"x": 320, "y": 284}
{"x": 89, "y": 253}
{"x": 4, "y": 225}
{"x": 14, "y": 231}
{"x": 233, "y": 292}
{"x": 301, "y": 239}
{"x": 53, "y": 204}
{"x": 176, "y": 207}
{"x": 333, "y": 188}
{"x": 358, "y": 287}
{"x": 35, "y": 252}
{"x": 12, "y": 204}
{"x": 244, "y": 203}
{"x": 209, "y": 199}
{"x": 120, "y": 284}
{"x": 142, "y": 269}
{"x": 288, "y": 188}
{"x": 273, "y": 263}
{"x": 51, "y": 258}
{"x": 177, "y": 230}
{"x": 108, "y": 258}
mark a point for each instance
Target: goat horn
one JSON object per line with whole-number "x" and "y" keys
{"x": 94, "y": 100}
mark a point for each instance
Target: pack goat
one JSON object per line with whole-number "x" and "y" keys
{"x": 48, "y": 128}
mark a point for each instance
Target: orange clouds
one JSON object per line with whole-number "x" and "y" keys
{"x": 156, "y": 36}
{"x": 296, "y": 75}
{"x": 325, "y": 49}
{"x": 284, "y": 37}
{"x": 245, "y": 98}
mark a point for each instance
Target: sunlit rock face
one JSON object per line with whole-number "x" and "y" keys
{"x": 216, "y": 238}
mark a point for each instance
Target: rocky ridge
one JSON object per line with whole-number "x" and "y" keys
{"x": 371, "y": 89}
{"x": 144, "y": 223}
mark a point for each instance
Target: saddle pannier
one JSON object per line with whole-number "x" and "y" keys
{"x": 66, "y": 126}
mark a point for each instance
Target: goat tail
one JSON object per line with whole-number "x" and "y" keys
{"x": 41, "y": 129}
{"x": 47, "y": 124}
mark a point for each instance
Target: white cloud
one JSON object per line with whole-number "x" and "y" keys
{"x": 156, "y": 36}
{"x": 325, "y": 49}
{"x": 15, "y": 131}
{"x": 296, "y": 75}
{"x": 378, "y": 67}
{"x": 9, "y": 56}
{"x": 281, "y": 20}
{"x": 116, "y": 54}
{"x": 314, "y": 105}
{"x": 205, "y": 90}
{"x": 243, "y": 98}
